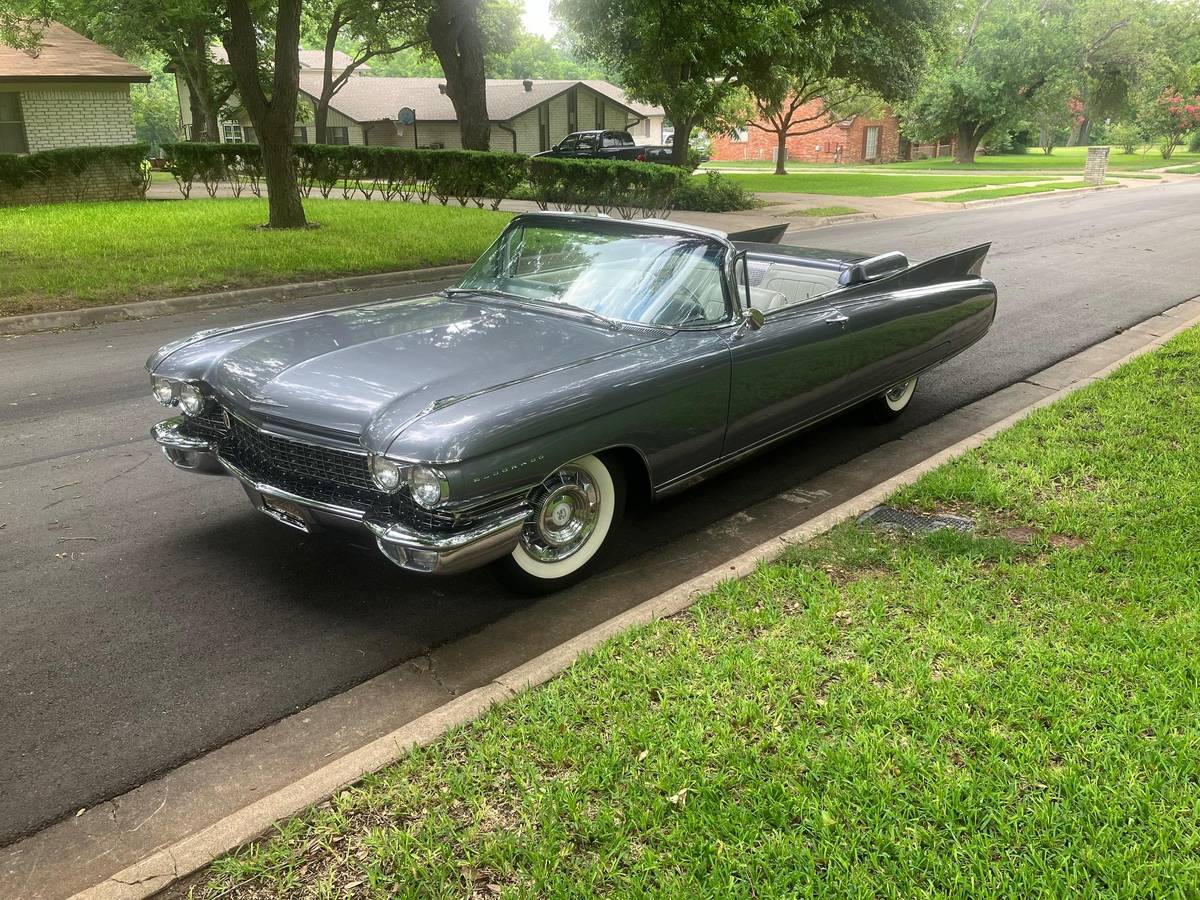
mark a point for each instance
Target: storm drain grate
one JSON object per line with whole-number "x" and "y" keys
{"x": 901, "y": 520}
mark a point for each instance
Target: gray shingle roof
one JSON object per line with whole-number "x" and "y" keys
{"x": 372, "y": 99}
{"x": 66, "y": 56}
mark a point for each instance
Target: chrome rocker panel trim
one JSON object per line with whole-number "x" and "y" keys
{"x": 415, "y": 551}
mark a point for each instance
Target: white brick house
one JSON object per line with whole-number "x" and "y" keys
{"x": 71, "y": 92}
{"x": 527, "y": 115}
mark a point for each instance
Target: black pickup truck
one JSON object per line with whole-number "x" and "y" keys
{"x": 606, "y": 145}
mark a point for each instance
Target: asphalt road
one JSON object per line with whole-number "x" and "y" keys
{"x": 147, "y": 616}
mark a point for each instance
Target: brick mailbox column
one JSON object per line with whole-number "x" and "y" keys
{"x": 1097, "y": 165}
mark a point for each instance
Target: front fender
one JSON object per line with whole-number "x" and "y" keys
{"x": 668, "y": 400}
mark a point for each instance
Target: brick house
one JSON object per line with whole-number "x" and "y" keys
{"x": 857, "y": 139}
{"x": 71, "y": 92}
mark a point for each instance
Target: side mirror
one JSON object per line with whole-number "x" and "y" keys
{"x": 752, "y": 320}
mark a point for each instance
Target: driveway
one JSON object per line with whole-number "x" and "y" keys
{"x": 150, "y": 616}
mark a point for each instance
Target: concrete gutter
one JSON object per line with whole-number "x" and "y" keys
{"x": 193, "y": 853}
{"x": 147, "y": 309}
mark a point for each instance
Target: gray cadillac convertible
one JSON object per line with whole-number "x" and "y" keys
{"x": 582, "y": 358}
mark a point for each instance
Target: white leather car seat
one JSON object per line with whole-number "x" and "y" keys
{"x": 797, "y": 285}
{"x": 767, "y": 300}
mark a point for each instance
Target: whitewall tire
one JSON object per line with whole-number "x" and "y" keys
{"x": 892, "y": 402}
{"x": 574, "y": 512}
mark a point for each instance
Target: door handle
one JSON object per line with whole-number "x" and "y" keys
{"x": 836, "y": 318}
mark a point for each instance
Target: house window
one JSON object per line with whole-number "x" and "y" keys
{"x": 543, "y": 127}
{"x": 12, "y": 125}
{"x": 740, "y": 135}
{"x": 646, "y": 127}
{"x": 871, "y": 149}
{"x": 600, "y": 104}
{"x": 572, "y": 111}
{"x": 300, "y": 134}
{"x": 337, "y": 134}
{"x": 232, "y": 133}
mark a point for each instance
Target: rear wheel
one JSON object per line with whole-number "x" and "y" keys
{"x": 892, "y": 402}
{"x": 574, "y": 512}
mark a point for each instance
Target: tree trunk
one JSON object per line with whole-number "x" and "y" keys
{"x": 321, "y": 120}
{"x": 274, "y": 119}
{"x": 457, "y": 39}
{"x": 969, "y": 136}
{"x": 199, "y": 130}
{"x": 279, "y": 173}
{"x": 781, "y": 152}
{"x": 680, "y": 140}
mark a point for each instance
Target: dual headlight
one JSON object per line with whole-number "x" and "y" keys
{"x": 427, "y": 485}
{"x": 184, "y": 394}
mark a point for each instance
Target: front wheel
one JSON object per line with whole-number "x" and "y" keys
{"x": 574, "y": 512}
{"x": 891, "y": 403}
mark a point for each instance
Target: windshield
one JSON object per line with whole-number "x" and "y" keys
{"x": 648, "y": 277}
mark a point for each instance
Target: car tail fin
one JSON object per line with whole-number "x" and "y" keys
{"x": 954, "y": 266}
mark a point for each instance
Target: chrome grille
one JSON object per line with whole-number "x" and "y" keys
{"x": 308, "y": 470}
{"x": 259, "y": 452}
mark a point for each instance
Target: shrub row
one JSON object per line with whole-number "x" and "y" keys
{"x": 467, "y": 176}
{"x": 76, "y": 167}
{"x": 714, "y": 193}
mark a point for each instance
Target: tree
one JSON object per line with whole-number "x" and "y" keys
{"x": 457, "y": 39}
{"x": 155, "y": 106}
{"x": 274, "y": 116}
{"x": 370, "y": 28}
{"x": 845, "y": 57}
{"x": 1169, "y": 118}
{"x": 683, "y": 55}
{"x": 1004, "y": 54}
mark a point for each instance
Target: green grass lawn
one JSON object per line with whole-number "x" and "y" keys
{"x": 1064, "y": 159}
{"x": 863, "y": 184}
{"x": 1013, "y": 712}
{"x": 992, "y": 193}
{"x": 1187, "y": 170}
{"x": 83, "y": 254}
{"x": 821, "y": 211}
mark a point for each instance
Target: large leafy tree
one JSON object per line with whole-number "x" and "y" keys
{"x": 369, "y": 29}
{"x": 683, "y": 55}
{"x": 843, "y": 57}
{"x": 1004, "y": 53}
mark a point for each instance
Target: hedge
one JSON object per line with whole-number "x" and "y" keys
{"x": 76, "y": 166}
{"x": 467, "y": 176}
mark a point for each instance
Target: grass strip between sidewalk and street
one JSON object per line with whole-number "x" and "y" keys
{"x": 818, "y": 212}
{"x": 1013, "y": 711}
{"x": 1016, "y": 191}
{"x": 865, "y": 184}
{"x": 75, "y": 255}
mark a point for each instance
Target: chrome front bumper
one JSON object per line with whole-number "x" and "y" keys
{"x": 410, "y": 549}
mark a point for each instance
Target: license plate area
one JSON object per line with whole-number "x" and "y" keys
{"x": 287, "y": 511}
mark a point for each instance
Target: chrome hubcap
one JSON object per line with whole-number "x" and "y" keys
{"x": 896, "y": 394}
{"x": 566, "y": 508}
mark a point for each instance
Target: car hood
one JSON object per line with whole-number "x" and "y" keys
{"x": 371, "y": 369}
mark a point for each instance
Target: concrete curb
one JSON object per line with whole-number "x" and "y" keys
{"x": 147, "y": 309}
{"x": 805, "y": 222}
{"x": 190, "y": 855}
